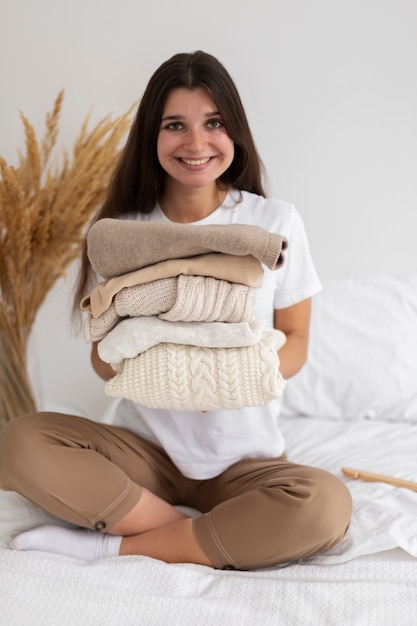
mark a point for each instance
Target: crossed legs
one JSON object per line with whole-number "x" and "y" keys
{"x": 257, "y": 513}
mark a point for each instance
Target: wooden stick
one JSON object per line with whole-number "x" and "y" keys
{"x": 379, "y": 478}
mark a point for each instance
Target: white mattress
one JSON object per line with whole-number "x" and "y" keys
{"x": 369, "y": 579}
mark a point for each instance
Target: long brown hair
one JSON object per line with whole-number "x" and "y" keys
{"x": 138, "y": 180}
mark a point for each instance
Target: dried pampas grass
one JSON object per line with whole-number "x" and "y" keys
{"x": 44, "y": 210}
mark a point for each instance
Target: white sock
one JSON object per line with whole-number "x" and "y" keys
{"x": 84, "y": 544}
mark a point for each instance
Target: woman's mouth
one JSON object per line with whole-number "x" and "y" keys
{"x": 195, "y": 161}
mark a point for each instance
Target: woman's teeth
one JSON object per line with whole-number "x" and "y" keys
{"x": 195, "y": 161}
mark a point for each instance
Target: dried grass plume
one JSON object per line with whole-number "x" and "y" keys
{"x": 45, "y": 206}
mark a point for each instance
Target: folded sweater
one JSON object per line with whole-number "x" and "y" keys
{"x": 133, "y": 336}
{"x": 183, "y": 298}
{"x": 242, "y": 270}
{"x": 95, "y": 328}
{"x": 182, "y": 377}
{"x": 116, "y": 246}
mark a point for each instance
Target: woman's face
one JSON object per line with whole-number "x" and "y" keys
{"x": 193, "y": 146}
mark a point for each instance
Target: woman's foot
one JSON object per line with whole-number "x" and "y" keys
{"x": 84, "y": 544}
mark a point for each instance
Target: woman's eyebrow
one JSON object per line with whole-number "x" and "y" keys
{"x": 182, "y": 117}
{"x": 172, "y": 117}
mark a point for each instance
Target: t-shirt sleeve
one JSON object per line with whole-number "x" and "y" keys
{"x": 297, "y": 280}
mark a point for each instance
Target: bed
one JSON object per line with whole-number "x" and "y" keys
{"x": 353, "y": 405}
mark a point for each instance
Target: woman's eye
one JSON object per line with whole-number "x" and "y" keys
{"x": 174, "y": 126}
{"x": 215, "y": 124}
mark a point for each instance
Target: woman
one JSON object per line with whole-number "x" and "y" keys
{"x": 189, "y": 158}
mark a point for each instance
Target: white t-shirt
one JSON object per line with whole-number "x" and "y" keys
{"x": 203, "y": 445}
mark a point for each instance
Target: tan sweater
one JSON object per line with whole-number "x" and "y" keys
{"x": 116, "y": 247}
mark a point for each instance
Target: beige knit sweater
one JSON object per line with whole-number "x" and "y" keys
{"x": 177, "y": 299}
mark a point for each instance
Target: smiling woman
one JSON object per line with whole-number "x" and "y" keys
{"x": 190, "y": 158}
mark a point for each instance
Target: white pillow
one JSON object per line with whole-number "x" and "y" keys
{"x": 362, "y": 361}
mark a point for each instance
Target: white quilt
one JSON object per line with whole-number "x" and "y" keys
{"x": 42, "y": 590}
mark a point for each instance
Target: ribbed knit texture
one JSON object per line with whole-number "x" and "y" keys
{"x": 151, "y": 298}
{"x": 206, "y": 299}
{"x": 119, "y": 246}
{"x": 170, "y": 376}
{"x": 244, "y": 270}
{"x": 135, "y": 335}
{"x": 183, "y": 298}
{"x": 97, "y": 328}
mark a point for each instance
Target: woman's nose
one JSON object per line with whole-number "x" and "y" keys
{"x": 195, "y": 140}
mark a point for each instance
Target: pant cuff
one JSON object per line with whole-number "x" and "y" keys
{"x": 118, "y": 509}
{"x": 209, "y": 542}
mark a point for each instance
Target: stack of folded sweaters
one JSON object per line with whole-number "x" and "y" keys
{"x": 174, "y": 314}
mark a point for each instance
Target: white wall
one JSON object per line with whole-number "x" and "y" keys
{"x": 330, "y": 89}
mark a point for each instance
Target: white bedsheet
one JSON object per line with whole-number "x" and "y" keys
{"x": 369, "y": 579}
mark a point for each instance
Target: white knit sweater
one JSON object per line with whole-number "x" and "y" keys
{"x": 192, "y": 378}
{"x": 134, "y": 335}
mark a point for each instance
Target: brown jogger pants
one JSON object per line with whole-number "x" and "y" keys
{"x": 257, "y": 513}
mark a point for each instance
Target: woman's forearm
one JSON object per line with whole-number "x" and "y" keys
{"x": 294, "y": 322}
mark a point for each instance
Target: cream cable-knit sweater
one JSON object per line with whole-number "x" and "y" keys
{"x": 183, "y": 298}
{"x": 119, "y": 246}
{"x": 133, "y": 336}
{"x": 170, "y": 376}
{"x": 242, "y": 270}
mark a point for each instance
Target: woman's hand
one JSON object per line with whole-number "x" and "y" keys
{"x": 103, "y": 369}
